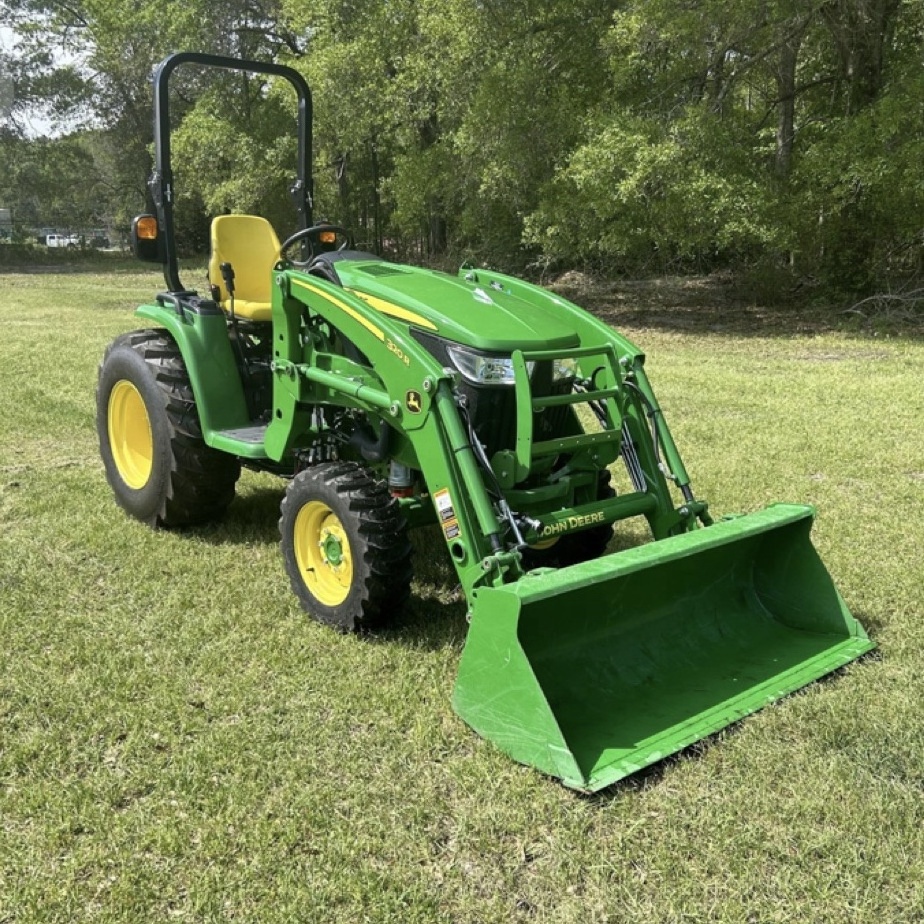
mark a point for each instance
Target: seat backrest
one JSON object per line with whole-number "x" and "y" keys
{"x": 250, "y": 245}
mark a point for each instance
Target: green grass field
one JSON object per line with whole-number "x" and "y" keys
{"x": 178, "y": 741}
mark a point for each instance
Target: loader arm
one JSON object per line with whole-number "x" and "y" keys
{"x": 404, "y": 386}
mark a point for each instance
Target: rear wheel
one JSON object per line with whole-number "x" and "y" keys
{"x": 345, "y": 546}
{"x": 156, "y": 461}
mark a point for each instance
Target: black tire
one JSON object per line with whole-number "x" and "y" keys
{"x": 573, "y": 548}
{"x": 156, "y": 461}
{"x": 345, "y": 546}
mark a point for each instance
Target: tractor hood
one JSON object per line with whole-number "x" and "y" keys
{"x": 485, "y": 317}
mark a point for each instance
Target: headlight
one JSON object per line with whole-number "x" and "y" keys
{"x": 484, "y": 369}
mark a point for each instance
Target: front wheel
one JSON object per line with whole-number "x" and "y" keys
{"x": 345, "y": 546}
{"x": 160, "y": 469}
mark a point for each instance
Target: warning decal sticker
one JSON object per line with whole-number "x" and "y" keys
{"x": 447, "y": 514}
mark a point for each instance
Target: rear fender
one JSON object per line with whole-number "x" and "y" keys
{"x": 202, "y": 336}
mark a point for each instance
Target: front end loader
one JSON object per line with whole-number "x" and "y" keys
{"x": 393, "y": 397}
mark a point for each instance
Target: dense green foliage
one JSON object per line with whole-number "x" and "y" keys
{"x": 629, "y": 133}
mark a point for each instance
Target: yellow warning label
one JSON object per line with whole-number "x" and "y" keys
{"x": 447, "y": 514}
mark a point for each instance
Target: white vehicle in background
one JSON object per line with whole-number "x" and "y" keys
{"x": 62, "y": 240}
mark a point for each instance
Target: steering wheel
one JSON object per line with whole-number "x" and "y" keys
{"x": 313, "y": 239}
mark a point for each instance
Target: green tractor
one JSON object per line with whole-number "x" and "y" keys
{"x": 393, "y": 397}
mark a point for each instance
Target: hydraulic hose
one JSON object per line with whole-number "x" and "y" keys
{"x": 370, "y": 447}
{"x": 482, "y": 458}
{"x": 464, "y": 453}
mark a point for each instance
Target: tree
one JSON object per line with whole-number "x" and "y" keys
{"x": 88, "y": 63}
{"x": 731, "y": 131}
{"x": 51, "y": 183}
{"x": 638, "y": 135}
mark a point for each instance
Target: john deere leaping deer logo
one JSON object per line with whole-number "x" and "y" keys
{"x": 413, "y": 401}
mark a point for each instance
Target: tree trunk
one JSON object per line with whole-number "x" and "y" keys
{"x": 376, "y": 198}
{"x": 343, "y": 188}
{"x": 861, "y": 30}
{"x": 786, "y": 93}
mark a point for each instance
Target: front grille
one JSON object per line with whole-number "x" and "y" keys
{"x": 493, "y": 408}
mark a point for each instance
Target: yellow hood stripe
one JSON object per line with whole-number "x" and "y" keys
{"x": 343, "y": 306}
{"x": 395, "y": 311}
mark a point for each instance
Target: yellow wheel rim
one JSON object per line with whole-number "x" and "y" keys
{"x": 130, "y": 435}
{"x": 322, "y": 552}
{"x": 544, "y": 544}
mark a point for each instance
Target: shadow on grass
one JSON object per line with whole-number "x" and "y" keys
{"x": 252, "y": 518}
{"x": 434, "y": 616}
{"x": 428, "y": 624}
{"x": 871, "y": 622}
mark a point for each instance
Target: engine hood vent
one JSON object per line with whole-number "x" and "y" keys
{"x": 382, "y": 269}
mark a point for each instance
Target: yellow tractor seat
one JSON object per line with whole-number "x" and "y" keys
{"x": 250, "y": 245}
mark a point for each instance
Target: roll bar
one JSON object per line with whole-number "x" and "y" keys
{"x": 160, "y": 183}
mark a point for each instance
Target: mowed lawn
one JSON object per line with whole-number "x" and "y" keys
{"x": 178, "y": 741}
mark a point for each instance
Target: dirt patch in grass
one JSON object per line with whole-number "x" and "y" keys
{"x": 723, "y": 303}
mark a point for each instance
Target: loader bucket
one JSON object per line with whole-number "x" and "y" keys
{"x": 590, "y": 673}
